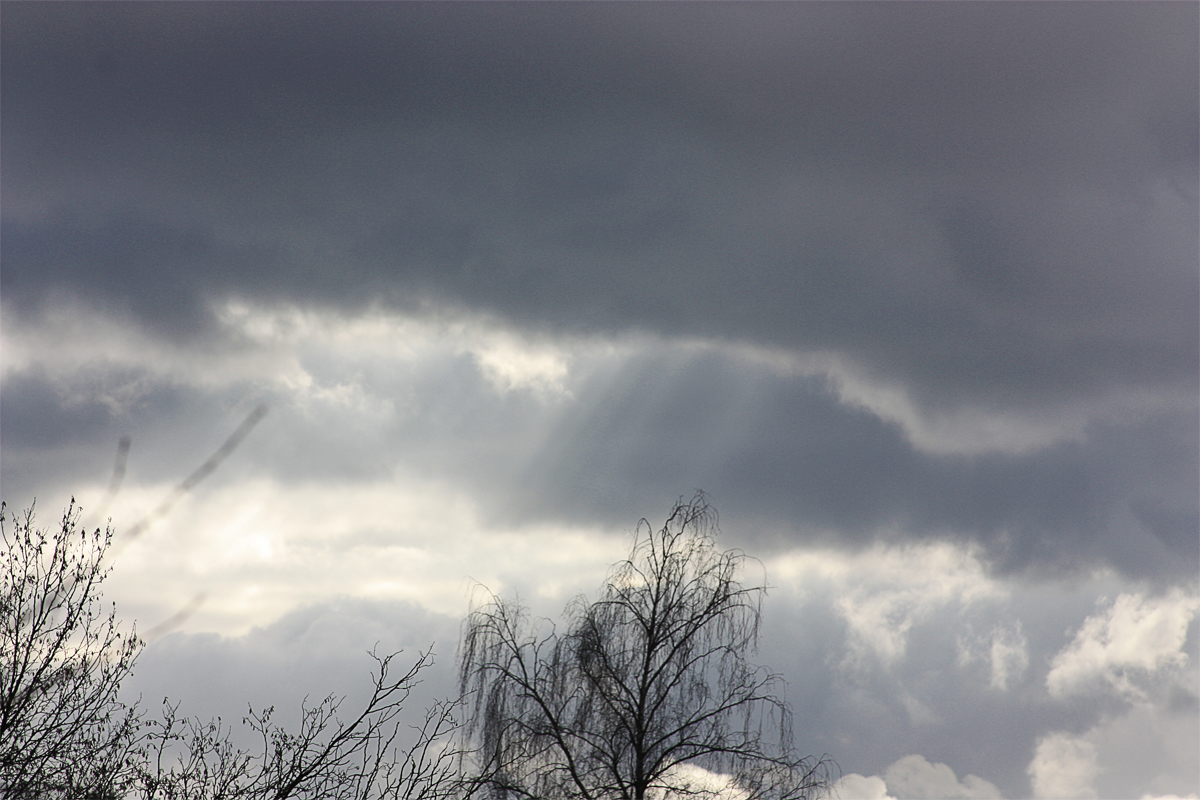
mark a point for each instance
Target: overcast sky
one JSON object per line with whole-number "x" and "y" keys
{"x": 910, "y": 290}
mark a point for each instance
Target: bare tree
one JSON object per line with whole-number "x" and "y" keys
{"x": 648, "y": 693}
{"x": 364, "y": 758}
{"x": 63, "y": 729}
{"x": 65, "y": 733}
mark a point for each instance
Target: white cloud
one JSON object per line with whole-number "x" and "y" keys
{"x": 508, "y": 359}
{"x": 276, "y": 346}
{"x": 884, "y": 591}
{"x": 1005, "y": 650}
{"x": 1064, "y": 767}
{"x": 1010, "y": 655}
{"x": 696, "y": 783}
{"x": 860, "y": 787}
{"x": 92, "y": 356}
{"x": 915, "y": 776}
{"x": 511, "y": 363}
{"x": 961, "y": 430}
{"x": 1124, "y": 645}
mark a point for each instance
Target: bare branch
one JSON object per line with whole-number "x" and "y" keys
{"x": 63, "y": 730}
{"x": 650, "y": 677}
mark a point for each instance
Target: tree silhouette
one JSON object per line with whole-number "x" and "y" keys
{"x": 326, "y": 759}
{"x": 648, "y": 693}
{"x": 64, "y": 733}
{"x": 63, "y": 729}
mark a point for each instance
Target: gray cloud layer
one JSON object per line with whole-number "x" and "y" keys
{"x": 868, "y": 273}
{"x": 783, "y": 455}
{"x": 990, "y": 203}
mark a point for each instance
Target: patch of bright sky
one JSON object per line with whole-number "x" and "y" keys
{"x": 259, "y": 548}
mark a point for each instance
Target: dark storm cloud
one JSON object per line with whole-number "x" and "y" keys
{"x": 35, "y": 414}
{"x": 988, "y": 202}
{"x": 990, "y": 206}
{"x": 160, "y": 266}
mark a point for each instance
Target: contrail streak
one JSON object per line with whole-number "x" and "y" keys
{"x": 203, "y": 471}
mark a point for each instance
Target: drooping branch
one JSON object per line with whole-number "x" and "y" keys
{"x": 650, "y": 678}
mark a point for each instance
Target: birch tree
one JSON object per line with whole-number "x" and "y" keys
{"x": 648, "y": 692}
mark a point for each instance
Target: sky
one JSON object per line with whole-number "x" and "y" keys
{"x": 910, "y": 290}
